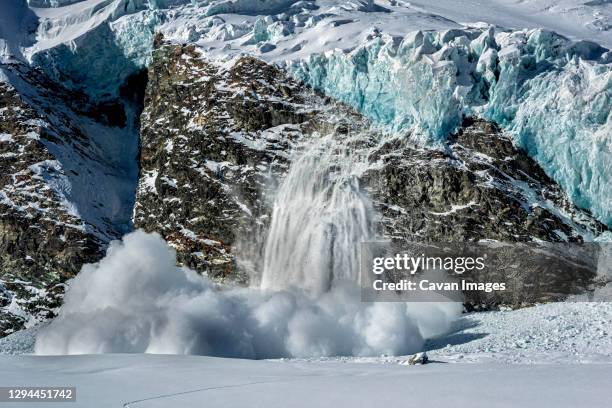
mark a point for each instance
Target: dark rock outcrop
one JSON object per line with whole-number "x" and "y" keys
{"x": 214, "y": 142}
{"x": 41, "y": 243}
{"x": 481, "y": 187}
{"x": 64, "y": 191}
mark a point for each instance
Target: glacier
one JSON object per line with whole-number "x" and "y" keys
{"x": 553, "y": 95}
{"x": 408, "y": 66}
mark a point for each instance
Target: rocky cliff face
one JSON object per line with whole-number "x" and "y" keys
{"x": 42, "y": 243}
{"x": 217, "y": 140}
{"x": 479, "y": 187}
{"x": 64, "y": 190}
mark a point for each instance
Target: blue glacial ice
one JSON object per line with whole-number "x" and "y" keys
{"x": 100, "y": 60}
{"x": 553, "y": 95}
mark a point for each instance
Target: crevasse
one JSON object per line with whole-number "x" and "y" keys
{"x": 553, "y": 95}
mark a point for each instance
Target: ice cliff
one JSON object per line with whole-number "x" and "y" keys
{"x": 553, "y": 95}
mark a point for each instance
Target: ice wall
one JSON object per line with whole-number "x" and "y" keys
{"x": 16, "y": 22}
{"x": 98, "y": 60}
{"x": 553, "y": 95}
{"x": 95, "y": 45}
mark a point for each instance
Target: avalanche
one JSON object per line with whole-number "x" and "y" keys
{"x": 136, "y": 300}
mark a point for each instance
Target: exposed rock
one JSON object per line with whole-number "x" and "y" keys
{"x": 217, "y": 139}
{"x": 61, "y": 191}
{"x": 214, "y": 141}
{"x": 417, "y": 359}
{"x": 479, "y": 188}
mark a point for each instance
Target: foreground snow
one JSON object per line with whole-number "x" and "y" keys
{"x": 556, "y": 332}
{"x": 186, "y": 381}
{"x": 555, "y": 355}
{"x": 565, "y": 333}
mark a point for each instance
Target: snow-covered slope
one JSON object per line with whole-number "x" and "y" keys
{"x": 16, "y": 23}
{"x": 91, "y": 166}
{"x": 85, "y": 33}
{"x": 557, "y": 332}
{"x": 576, "y": 19}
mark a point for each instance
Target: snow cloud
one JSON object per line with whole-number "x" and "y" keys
{"x": 137, "y": 300}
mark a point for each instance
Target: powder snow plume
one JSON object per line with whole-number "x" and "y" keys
{"x": 137, "y": 300}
